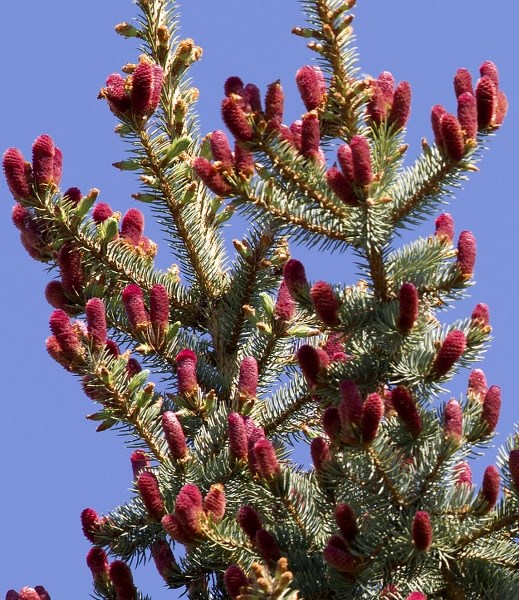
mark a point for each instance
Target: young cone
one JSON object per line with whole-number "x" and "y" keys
{"x": 186, "y": 371}
{"x": 174, "y": 435}
{"x": 122, "y": 579}
{"x": 422, "y": 531}
{"x": 491, "y": 408}
{"x": 148, "y": 487}
{"x": 234, "y": 580}
{"x": 325, "y": 303}
{"x": 450, "y": 352}
{"x": 347, "y": 521}
{"x": 15, "y": 173}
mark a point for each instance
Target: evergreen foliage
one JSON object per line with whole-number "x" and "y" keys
{"x": 214, "y": 368}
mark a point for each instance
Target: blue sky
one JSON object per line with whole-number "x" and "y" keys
{"x": 56, "y": 57}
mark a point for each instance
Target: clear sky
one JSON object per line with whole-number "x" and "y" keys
{"x": 56, "y": 56}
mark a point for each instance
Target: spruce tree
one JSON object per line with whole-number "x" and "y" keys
{"x": 215, "y": 368}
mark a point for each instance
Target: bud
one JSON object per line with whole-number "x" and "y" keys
{"x": 486, "y": 99}
{"x": 70, "y": 262}
{"x": 159, "y": 307}
{"x": 309, "y": 82}
{"x": 163, "y": 558}
{"x": 139, "y": 462}
{"x": 174, "y": 435}
{"x": 295, "y": 277}
{"x": 214, "y": 502}
{"x": 325, "y": 303}
{"x": 372, "y": 413}
{"x": 463, "y": 473}
{"x": 267, "y": 546}
{"x": 55, "y": 295}
{"x": 310, "y": 136}
{"x": 450, "y": 351}
{"x": 452, "y": 137}
{"x": 401, "y": 107}
{"x": 437, "y": 114}
{"x": 65, "y": 334}
{"x": 90, "y": 524}
{"x": 234, "y": 579}
{"x": 491, "y": 408}
{"x": 468, "y": 115}
{"x": 331, "y": 422}
{"x": 285, "y": 306}
{"x": 96, "y": 322}
{"x": 248, "y": 379}
{"x": 236, "y": 119}
{"x": 126, "y": 30}
{"x": 350, "y": 406}
{"x": 266, "y": 458}
{"x": 274, "y": 104}
{"x": 148, "y": 487}
{"x": 12, "y": 595}
{"x": 146, "y": 88}
{"x": 463, "y": 82}
{"x": 133, "y": 302}
{"x": 408, "y": 308}
{"x": 445, "y": 227}
{"x": 466, "y": 253}
{"x": 407, "y": 410}
{"x": 477, "y": 384}
{"x": 347, "y": 521}
{"x": 513, "y": 466}
{"x": 43, "y": 152}
{"x": 186, "y": 371}
{"x": 248, "y": 519}
{"x": 320, "y": 453}
{"x": 337, "y": 554}
{"x": 221, "y": 149}
{"x": 416, "y": 596}
{"x": 361, "y": 154}
{"x": 97, "y": 562}
{"x": 341, "y": 187}
{"x": 122, "y": 580}
{"x": 422, "y": 531}
{"x": 481, "y": 315}
{"x": 101, "y": 212}
{"x": 490, "y": 488}
{"x": 132, "y": 226}
{"x": 313, "y": 361}
{"x": 16, "y": 174}
{"x": 453, "y": 420}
